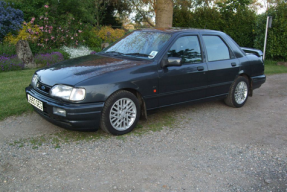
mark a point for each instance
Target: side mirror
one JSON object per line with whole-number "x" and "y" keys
{"x": 171, "y": 61}
{"x": 174, "y": 61}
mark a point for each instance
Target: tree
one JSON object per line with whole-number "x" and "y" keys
{"x": 10, "y": 19}
{"x": 164, "y": 13}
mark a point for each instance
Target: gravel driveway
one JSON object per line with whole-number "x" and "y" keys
{"x": 208, "y": 147}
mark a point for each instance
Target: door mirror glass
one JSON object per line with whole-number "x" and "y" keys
{"x": 174, "y": 61}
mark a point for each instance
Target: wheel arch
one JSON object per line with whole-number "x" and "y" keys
{"x": 250, "y": 83}
{"x": 143, "y": 111}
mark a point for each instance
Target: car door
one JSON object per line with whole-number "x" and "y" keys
{"x": 187, "y": 82}
{"x": 223, "y": 66}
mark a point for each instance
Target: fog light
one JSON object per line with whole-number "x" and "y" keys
{"x": 59, "y": 111}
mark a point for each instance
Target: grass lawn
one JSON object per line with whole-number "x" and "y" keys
{"x": 12, "y": 88}
{"x": 12, "y": 92}
{"x": 271, "y": 67}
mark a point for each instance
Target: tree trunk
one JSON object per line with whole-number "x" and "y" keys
{"x": 164, "y": 13}
{"x": 25, "y": 54}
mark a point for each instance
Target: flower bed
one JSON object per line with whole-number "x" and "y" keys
{"x": 10, "y": 63}
{"x": 48, "y": 59}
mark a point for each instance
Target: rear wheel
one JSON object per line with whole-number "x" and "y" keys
{"x": 120, "y": 113}
{"x": 238, "y": 93}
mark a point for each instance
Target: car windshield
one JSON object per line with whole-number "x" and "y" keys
{"x": 144, "y": 44}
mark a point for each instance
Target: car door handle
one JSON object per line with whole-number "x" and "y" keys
{"x": 233, "y": 64}
{"x": 200, "y": 68}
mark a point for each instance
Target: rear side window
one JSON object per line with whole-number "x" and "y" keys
{"x": 216, "y": 48}
{"x": 188, "y": 48}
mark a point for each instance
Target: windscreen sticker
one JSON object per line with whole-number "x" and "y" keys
{"x": 152, "y": 54}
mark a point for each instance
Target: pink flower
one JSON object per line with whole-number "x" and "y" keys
{"x": 46, "y": 6}
{"x": 25, "y": 23}
{"x": 33, "y": 19}
{"x": 41, "y": 17}
{"x": 76, "y": 34}
{"x": 41, "y": 28}
{"x": 49, "y": 31}
{"x": 46, "y": 40}
{"x": 80, "y": 31}
{"x": 52, "y": 38}
{"x": 72, "y": 37}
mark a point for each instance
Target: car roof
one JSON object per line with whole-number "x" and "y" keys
{"x": 178, "y": 30}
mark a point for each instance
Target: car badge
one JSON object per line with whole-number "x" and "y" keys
{"x": 43, "y": 87}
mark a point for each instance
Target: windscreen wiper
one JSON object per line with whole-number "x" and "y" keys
{"x": 114, "y": 52}
{"x": 140, "y": 54}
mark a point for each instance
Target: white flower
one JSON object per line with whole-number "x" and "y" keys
{"x": 76, "y": 52}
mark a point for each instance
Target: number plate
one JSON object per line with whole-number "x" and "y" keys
{"x": 35, "y": 102}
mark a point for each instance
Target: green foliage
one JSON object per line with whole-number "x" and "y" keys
{"x": 7, "y": 49}
{"x": 239, "y": 21}
{"x": 91, "y": 39}
{"x": 277, "y": 35}
{"x": 232, "y": 17}
{"x": 81, "y": 10}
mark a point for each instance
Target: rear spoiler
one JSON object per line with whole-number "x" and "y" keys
{"x": 252, "y": 51}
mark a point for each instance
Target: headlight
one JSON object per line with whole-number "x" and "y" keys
{"x": 34, "y": 81}
{"x": 68, "y": 93}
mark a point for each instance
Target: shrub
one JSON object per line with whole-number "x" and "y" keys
{"x": 91, "y": 39}
{"x": 232, "y": 17}
{"x": 29, "y": 32}
{"x": 10, "y": 19}
{"x": 7, "y": 49}
{"x": 277, "y": 36}
{"x": 77, "y": 52}
{"x": 108, "y": 34}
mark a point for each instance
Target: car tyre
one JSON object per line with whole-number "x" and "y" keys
{"x": 120, "y": 113}
{"x": 238, "y": 93}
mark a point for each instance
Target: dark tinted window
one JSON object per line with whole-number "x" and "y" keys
{"x": 188, "y": 48}
{"x": 216, "y": 48}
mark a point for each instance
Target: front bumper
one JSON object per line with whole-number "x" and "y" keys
{"x": 257, "y": 81}
{"x": 82, "y": 117}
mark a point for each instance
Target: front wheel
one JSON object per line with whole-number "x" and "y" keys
{"x": 120, "y": 113}
{"x": 238, "y": 93}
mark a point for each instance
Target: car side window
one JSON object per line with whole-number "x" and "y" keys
{"x": 216, "y": 48}
{"x": 187, "y": 48}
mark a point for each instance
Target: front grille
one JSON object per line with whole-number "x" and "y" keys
{"x": 43, "y": 88}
